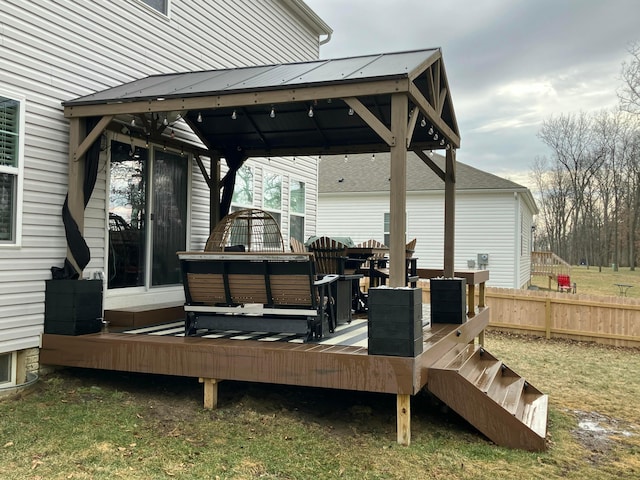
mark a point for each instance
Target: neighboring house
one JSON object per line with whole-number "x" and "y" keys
{"x": 55, "y": 51}
{"x": 493, "y": 216}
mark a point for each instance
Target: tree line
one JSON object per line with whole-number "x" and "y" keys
{"x": 589, "y": 188}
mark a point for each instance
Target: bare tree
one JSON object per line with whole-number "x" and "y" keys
{"x": 629, "y": 93}
{"x": 571, "y": 140}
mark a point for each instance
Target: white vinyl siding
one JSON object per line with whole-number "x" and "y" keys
{"x": 57, "y": 51}
{"x": 485, "y": 223}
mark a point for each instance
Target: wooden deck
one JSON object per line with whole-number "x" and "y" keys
{"x": 347, "y": 367}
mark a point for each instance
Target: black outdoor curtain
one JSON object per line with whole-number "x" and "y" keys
{"x": 235, "y": 159}
{"x": 75, "y": 241}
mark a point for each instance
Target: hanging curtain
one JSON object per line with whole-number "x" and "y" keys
{"x": 75, "y": 241}
{"x": 235, "y": 159}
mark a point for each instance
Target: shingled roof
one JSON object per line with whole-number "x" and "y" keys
{"x": 366, "y": 173}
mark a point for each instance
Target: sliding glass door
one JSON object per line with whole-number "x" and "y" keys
{"x": 147, "y": 216}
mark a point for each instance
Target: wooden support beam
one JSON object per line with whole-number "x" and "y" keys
{"x": 92, "y": 136}
{"x": 203, "y": 170}
{"x": 371, "y": 120}
{"x": 449, "y": 213}
{"x": 241, "y": 99}
{"x": 415, "y": 113}
{"x": 403, "y": 418}
{"x": 210, "y": 392}
{"x": 471, "y": 300}
{"x": 398, "y": 192}
{"x": 433, "y": 116}
{"x": 76, "y": 180}
{"x": 426, "y": 159}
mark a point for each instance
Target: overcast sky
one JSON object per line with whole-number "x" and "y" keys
{"x": 510, "y": 63}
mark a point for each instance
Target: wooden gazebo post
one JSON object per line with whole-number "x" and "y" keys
{"x": 398, "y": 190}
{"x": 449, "y": 213}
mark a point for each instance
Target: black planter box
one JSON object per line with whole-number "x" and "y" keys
{"x": 448, "y": 300}
{"x": 395, "y": 321}
{"x": 73, "y": 307}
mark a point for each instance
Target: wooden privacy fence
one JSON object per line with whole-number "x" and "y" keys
{"x": 608, "y": 320}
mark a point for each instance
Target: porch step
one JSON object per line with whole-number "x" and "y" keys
{"x": 491, "y": 397}
{"x": 144, "y": 315}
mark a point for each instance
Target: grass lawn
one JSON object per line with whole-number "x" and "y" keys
{"x": 597, "y": 281}
{"x": 81, "y": 424}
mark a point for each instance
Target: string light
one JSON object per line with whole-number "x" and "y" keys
{"x": 146, "y": 142}
{"x": 351, "y": 112}
{"x": 435, "y": 136}
{"x": 430, "y": 132}
{"x": 164, "y": 120}
{"x": 442, "y": 142}
{"x": 310, "y": 111}
{"x": 373, "y": 157}
{"x": 199, "y": 119}
{"x": 345, "y": 158}
{"x": 164, "y": 147}
{"x": 133, "y": 122}
{"x": 423, "y": 123}
{"x": 234, "y": 115}
{"x": 272, "y": 114}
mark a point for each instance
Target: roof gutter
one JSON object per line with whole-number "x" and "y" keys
{"x": 311, "y": 18}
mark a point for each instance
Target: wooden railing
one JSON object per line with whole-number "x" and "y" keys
{"x": 611, "y": 320}
{"x": 548, "y": 264}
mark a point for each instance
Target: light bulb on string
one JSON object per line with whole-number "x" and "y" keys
{"x": 423, "y": 123}
{"x": 448, "y": 146}
{"x": 442, "y": 142}
{"x": 199, "y": 119}
{"x": 351, "y": 112}
{"x": 430, "y": 132}
{"x": 435, "y": 136}
{"x": 272, "y": 113}
{"x": 164, "y": 120}
{"x": 373, "y": 157}
{"x": 345, "y": 158}
{"x": 173, "y": 134}
{"x": 146, "y": 142}
{"x": 234, "y": 115}
{"x": 310, "y": 111}
{"x": 133, "y": 122}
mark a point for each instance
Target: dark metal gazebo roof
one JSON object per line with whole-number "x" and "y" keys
{"x": 295, "y": 108}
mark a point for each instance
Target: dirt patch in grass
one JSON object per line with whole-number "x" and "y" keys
{"x": 598, "y": 434}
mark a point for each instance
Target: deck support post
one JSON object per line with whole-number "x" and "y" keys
{"x": 210, "y": 393}
{"x": 404, "y": 419}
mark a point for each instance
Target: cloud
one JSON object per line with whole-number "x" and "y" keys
{"x": 510, "y": 64}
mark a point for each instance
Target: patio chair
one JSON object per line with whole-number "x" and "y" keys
{"x": 330, "y": 258}
{"x": 375, "y": 255}
{"x": 297, "y": 246}
{"x": 379, "y": 269}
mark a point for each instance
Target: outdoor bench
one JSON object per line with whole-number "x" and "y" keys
{"x": 247, "y": 291}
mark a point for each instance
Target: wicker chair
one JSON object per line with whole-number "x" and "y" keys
{"x": 253, "y": 229}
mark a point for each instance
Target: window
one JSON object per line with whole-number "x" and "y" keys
{"x": 386, "y": 228}
{"x": 160, "y": 5}
{"x": 6, "y": 369}
{"x": 11, "y": 154}
{"x": 296, "y": 210}
{"x": 243, "y": 188}
{"x": 272, "y": 195}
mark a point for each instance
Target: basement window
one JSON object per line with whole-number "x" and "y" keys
{"x": 7, "y": 370}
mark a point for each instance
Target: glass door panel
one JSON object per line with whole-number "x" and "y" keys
{"x": 169, "y": 218}
{"x": 127, "y": 221}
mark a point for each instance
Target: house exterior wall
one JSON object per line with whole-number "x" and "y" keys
{"x": 486, "y": 222}
{"x": 52, "y": 51}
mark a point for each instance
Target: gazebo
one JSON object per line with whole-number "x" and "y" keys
{"x": 396, "y": 102}
{"x": 392, "y": 102}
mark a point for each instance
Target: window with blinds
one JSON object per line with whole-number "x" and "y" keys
{"x": 10, "y": 111}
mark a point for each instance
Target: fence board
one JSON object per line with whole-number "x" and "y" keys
{"x": 611, "y": 320}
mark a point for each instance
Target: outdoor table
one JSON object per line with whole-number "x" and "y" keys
{"x": 623, "y": 287}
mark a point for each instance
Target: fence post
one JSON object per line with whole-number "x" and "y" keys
{"x": 547, "y": 318}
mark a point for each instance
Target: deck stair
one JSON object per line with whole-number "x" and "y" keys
{"x": 491, "y": 397}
